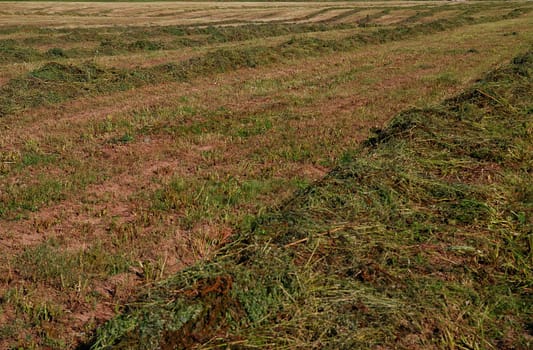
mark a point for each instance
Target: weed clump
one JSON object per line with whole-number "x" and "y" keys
{"x": 409, "y": 242}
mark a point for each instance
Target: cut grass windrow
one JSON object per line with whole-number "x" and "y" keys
{"x": 142, "y": 39}
{"x": 421, "y": 238}
{"x": 55, "y": 82}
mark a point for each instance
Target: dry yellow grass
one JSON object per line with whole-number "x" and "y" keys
{"x": 71, "y": 15}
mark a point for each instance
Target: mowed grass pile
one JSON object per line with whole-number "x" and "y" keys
{"x": 421, "y": 238}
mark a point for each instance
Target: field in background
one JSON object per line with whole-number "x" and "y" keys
{"x": 136, "y": 139}
{"x": 84, "y": 14}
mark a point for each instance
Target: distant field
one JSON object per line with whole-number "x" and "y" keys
{"x": 67, "y": 14}
{"x": 137, "y": 139}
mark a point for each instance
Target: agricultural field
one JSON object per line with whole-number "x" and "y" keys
{"x": 296, "y": 175}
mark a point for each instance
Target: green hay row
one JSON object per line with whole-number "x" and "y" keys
{"x": 141, "y": 40}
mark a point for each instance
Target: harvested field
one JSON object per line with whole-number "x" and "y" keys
{"x": 406, "y": 242}
{"x": 72, "y": 15}
{"x": 139, "y": 139}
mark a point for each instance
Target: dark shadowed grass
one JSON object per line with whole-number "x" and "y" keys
{"x": 421, "y": 238}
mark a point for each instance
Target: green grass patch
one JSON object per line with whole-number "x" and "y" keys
{"x": 17, "y": 199}
{"x": 47, "y": 263}
{"x": 209, "y": 199}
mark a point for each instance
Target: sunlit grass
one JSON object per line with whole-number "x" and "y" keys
{"x": 120, "y": 168}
